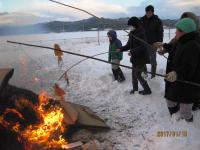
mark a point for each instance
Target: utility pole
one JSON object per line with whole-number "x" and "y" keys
{"x": 98, "y": 35}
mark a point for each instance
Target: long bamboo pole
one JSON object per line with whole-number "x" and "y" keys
{"x": 77, "y": 54}
{"x": 101, "y": 60}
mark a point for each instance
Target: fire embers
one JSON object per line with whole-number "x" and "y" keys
{"x": 31, "y": 126}
{"x": 10, "y": 140}
{"x": 48, "y": 133}
{"x": 10, "y": 126}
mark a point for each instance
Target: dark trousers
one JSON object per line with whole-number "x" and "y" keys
{"x": 152, "y": 56}
{"x": 137, "y": 76}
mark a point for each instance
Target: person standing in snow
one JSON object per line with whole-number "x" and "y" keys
{"x": 115, "y": 56}
{"x": 153, "y": 27}
{"x": 185, "y": 65}
{"x": 139, "y": 55}
{"x": 170, "y": 49}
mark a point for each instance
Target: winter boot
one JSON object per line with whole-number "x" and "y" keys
{"x": 174, "y": 109}
{"x": 133, "y": 90}
{"x": 121, "y": 77}
{"x": 147, "y": 90}
{"x": 153, "y": 71}
{"x": 115, "y": 74}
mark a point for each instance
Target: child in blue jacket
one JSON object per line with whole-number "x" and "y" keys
{"x": 115, "y": 56}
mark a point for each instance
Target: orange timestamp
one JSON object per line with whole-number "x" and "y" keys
{"x": 172, "y": 134}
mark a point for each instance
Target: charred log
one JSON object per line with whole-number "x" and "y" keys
{"x": 10, "y": 140}
{"x": 12, "y": 93}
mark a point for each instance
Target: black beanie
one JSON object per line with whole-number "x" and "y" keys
{"x": 149, "y": 8}
{"x": 134, "y": 21}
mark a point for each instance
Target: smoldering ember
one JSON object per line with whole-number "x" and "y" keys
{"x": 29, "y": 121}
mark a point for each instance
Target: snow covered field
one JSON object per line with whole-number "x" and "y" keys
{"x": 135, "y": 120}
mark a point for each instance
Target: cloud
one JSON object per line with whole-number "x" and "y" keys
{"x": 20, "y": 18}
{"x": 3, "y": 13}
{"x": 170, "y": 9}
{"x": 99, "y": 8}
{"x": 44, "y": 11}
{"x": 196, "y": 10}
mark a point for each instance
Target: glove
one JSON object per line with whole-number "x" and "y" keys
{"x": 118, "y": 50}
{"x": 171, "y": 76}
{"x": 161, "y": 51}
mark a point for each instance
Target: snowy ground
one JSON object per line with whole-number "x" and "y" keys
{"x": 135, "y": 120}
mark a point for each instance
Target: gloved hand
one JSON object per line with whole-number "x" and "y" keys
{"x": 161, "y": 51}
{"x": 118, "y": 50}
{"x": 171, "y": 76}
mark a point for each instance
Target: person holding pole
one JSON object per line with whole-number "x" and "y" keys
{"x": 153, "y": 27}
{"x": 114, "y": 56}
{"x": 185, "y": 65}
{"x": 170, "y": 49}
{"x": 139, "y": 55}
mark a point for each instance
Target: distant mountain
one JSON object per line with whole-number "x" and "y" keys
{"x": 82, "y": 25}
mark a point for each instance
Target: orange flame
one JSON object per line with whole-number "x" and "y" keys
{"x": 48, "y": 132}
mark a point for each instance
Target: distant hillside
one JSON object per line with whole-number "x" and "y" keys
{"x": 82, "y": 25}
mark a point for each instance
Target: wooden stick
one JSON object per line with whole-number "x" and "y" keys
{"x": 73, "y": 145}
{"x": 108, "y": 62}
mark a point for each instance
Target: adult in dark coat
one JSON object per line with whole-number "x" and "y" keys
{"x": 185, "y": 65}
{"x": 139, "y": 55}
{"x": 153, "y": 27}
{"x": 170, "y": 49}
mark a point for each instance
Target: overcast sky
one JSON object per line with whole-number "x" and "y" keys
{"x": 20, "y": 12}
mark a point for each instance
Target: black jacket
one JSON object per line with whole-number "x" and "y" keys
{"x": 170, "y": 48}
{"x": 153, "y": 29}
{"x": 139, "y": 53}
{"x": 186, "y": 62}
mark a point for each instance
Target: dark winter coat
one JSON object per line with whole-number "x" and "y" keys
{"x": 114, "y": 44}
{"x": 138, "y": 50}
{"x": 186, "y": 62}
{"x": 153, "y": 29}
{"x": 170, "y": 48}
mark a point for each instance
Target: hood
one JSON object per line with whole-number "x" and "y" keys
{"x": 113, "y": 34}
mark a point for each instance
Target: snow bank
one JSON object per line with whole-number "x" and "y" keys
{"x": 135, "y": 119}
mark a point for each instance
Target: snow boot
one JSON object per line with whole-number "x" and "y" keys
{"x": 115, "y": 74}
{"x": 133, "y": 91}
{"x": 147, "y": 90}
{"x": 174, "y": 109}
{"x": 121, "y": 77}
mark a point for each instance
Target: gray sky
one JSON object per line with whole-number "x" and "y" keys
{"x": 20, "y": 12}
